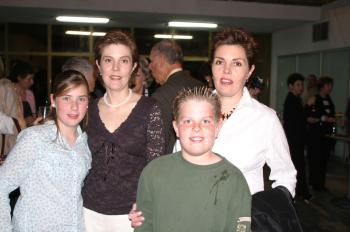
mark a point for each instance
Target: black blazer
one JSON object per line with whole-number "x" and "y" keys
{"x": 165, "y": 96}
{"x": 273, "y": 211}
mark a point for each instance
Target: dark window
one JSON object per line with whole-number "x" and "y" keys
{"x": 320, "y": 32}
{"x": 62, "y": 42}
{"x": 2, "y": 37}
{"x": 27, "y": 37}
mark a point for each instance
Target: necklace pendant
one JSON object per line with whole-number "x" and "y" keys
{"x": 224, "y": 116}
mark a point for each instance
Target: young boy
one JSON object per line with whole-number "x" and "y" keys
{"x": 195, "y": 189}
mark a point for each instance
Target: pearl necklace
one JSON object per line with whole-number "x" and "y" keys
{"x": 119, "y": 104}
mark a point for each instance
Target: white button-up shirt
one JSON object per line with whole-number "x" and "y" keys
{"x": 251, "y": 137}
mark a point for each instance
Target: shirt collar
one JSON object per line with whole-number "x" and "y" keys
{"x": 173, "y": 71}
{"x": 246, "y": 99}
{"x": 81, "y": 135}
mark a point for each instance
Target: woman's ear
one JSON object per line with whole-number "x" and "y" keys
{"x": 98, "y": 66}
{"x": 250, "y": 71}
{"x": 52, "y": 100}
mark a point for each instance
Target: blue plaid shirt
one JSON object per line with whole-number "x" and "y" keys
{"x": 50, "y": 175}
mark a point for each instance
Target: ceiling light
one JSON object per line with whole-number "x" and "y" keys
{"x": 192, "y": 24}
{"x": 182, "y": 37}
{"x": 98, "y": 33}
{"x": 85, "y": 33}
{"x": 78, "y": 32}
{"x": 163, "y": 36}
{"x": 168, "y": 36}
{"x": 75, "y": 19}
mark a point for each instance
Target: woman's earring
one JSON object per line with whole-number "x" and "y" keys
{"x": 53, "y": 105}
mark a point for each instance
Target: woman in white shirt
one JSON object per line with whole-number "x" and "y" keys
{"x": 252, "y": 134}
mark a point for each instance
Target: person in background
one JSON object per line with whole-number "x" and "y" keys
{"x": 347, "y": 117}
{"x": 49, "y": 163}
{"x": 139, "y": 81}
{"x": 85, "y": 67}
{"x": 251, "y": 135}
{"x": 255, "y": 85}
{"x": 208, "y": 183}
{"x": 311, "y": 88}
{"x": 7, "y": 125}
{"x": 125, "y": 133}
{"x": 166, "y": 67}
{"x": 206, "y": 75}
{"x": 294, "y": 123}
{"x": 12, "y": 115}
{"x": 321, "y": 121}
{"x": 22, "y": 74}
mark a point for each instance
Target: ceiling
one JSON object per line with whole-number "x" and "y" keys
{"x": 255, "y": 16}
{"x": 290, "y": 2}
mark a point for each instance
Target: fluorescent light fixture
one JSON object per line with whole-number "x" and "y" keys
{"x": 167, "y": 36}
{"x": 192, "y": 24}
{"x": 163, "y": 36}
{"x": 182, "y": 37}
{"x": 75, "y": 19}
{"x": 78, "y": 32}
{"x": 85, "y": 33}
{"x": 98, "y": 33}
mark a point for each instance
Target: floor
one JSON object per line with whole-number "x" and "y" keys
{"x": 325, "y": 213}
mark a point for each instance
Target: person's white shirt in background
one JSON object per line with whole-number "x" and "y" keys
{"x": 7, "y": 126}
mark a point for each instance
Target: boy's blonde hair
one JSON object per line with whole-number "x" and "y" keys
{"x": 200, "y": 94}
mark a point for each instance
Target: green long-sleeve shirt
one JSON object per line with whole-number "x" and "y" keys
{"x": 175, "y": 195}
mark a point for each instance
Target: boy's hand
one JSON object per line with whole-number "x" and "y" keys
{"x": 135, "y": 217}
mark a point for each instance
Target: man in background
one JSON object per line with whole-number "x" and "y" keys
{"x": 85, "y": 67}
{"x": 166, "y": 67}
{"x": 294, "y": 118}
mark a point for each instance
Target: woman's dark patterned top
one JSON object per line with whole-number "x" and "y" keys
{"x": 119, "y": 157}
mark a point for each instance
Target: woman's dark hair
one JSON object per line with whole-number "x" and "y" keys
{"x": 63, "y": 83}
{"x": 19, "y": 70}
{"x": 116, "y": 37}
{"x": 236, "y": 36}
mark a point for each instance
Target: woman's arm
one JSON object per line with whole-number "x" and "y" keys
{"x": 278, "y": 157}
{"x": 155, "y": 134}
{"x": 14, "y": 171}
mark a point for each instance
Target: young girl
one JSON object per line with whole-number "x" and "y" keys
{"x": 49, "y": 163}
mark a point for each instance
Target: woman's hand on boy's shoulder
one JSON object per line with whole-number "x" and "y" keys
{"x": 136, "y": 217}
